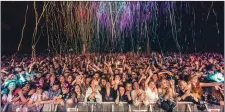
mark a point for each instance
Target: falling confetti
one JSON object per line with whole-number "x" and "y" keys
{"x": 105, "y": 26}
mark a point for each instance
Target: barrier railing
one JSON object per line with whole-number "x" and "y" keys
{"x": 121, "y": 107}
{"x": 124, "y": 107}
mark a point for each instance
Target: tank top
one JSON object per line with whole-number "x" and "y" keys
{"x": 152, "y": 96}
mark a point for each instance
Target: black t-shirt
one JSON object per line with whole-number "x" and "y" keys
{"x": 111, "y": 97}
{"x": 188, "y": 98}
{"x": 124, "y": 98}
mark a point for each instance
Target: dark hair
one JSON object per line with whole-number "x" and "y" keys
{"x": 121, "y": 86}
{"x": 56, "y": 83}
{"x": 79, "y": 87}
{"x": 72, "y": 77}
{"x": 26, "y": 82}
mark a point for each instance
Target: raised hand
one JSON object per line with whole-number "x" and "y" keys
{"x": 117, "y": 81}
{"x": 150, "y": 72}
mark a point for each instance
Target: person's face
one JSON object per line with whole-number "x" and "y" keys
{"x": 108, "y": 84}
{"x": 52, "y": 78}
{"x": 17, "y": 69}
{"x": 117, "y": 77}
{"x": 152, "y": 85}
{"x": 134, "y": 75}
{"x": 128, "y": 87}
{"x": 78, "y": 79}
{"x": 116, "y": 71}
{"x": 96, "y": 76}
{"x": 122, "y": 90}
{"x": 56, "y": 65}
{"x": 48, "y": 76}
{"x": 28, "y": 78}
{"x": 140, "y": 70}
{"x": 112, "y": 82}
{"x": 38, "y": 75}
{"x": 104, "y": 71}
{"x": 135, "y": 85}
{"x": 182, "y": 85}
{"x": 55, "y": 87}
{"x": 210, "y": 60}
{"x": 164, "y": 67}
{"x": 103, "y": 82}
{"x": 94, "y": 83}
{"x": 66, "y": 74}
{"x": 164, "y": 83}
{"x": 168, "y": 64}
{"x": 70, "y": 79}
{"x": 41, "y": 81}
{"x": 124, "y": 76}
{"x": 62, "y": 79}
{"x": 22, "y": 72}
{"x": 65, "y": 90}
{"x": 52, "y": 70}
{"x": 87, "y": 81}
{"x": 26, "y": 87}
{"x": 154, "y": 77}
{"x": 77, "y": 89}
{"x": 12, "y": 86}
{"x": 39, "y": 91}
{"x": 194, "y": 79}
{"x": 74, "y": 69}
{"x": 174, "y": 70}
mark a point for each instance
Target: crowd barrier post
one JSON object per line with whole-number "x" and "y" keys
{"x": 4, "y": 108}
{"x": 112, "y": 107}
{"x": 92, "y": 107}
{"x": 129, "y": 106}
{"x": 150, "y": 108}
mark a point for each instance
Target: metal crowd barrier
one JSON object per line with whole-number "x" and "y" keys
{"x": 124, "y": 107}
{"x": 11, "y": 107}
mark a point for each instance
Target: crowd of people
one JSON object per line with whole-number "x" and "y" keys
{"x": 138, "y": 79}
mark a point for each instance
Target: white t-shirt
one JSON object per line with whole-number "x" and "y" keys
{"x": 152, "y": 96}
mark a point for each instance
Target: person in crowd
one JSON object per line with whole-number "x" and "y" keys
{"x": 151, "y": 89}
{"x": 97, "y": 78}
{"x": 184, "y": 93}
{"x": 93, "y": 93}
{"x": 122, "y": 96}
{"x": 35, "y": 102}
{"x": 166, "y": 95}
{"x": 138, "y": 95}
{"x": 215, "y": 96}
{"x": 22, "y": 95}
{"x": 53, "y": 92}
{"x": 64, "y": 99}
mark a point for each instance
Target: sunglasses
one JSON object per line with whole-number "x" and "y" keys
{"x": 65, "y": 88}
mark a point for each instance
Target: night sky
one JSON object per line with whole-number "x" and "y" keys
{"x": 12, "y": 20}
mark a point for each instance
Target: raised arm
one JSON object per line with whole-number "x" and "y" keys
{"x": 148, "y": 79}
{"x": 117, "y": 98}
{"x": 211, "y": 84}
{"x": 142, "y": 77}
{"x": 109, "y": 68}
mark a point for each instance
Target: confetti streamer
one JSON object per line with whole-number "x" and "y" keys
{"x": 106, "y": 26}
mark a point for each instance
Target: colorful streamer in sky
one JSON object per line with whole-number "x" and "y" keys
{"x": 108, "y": 24}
